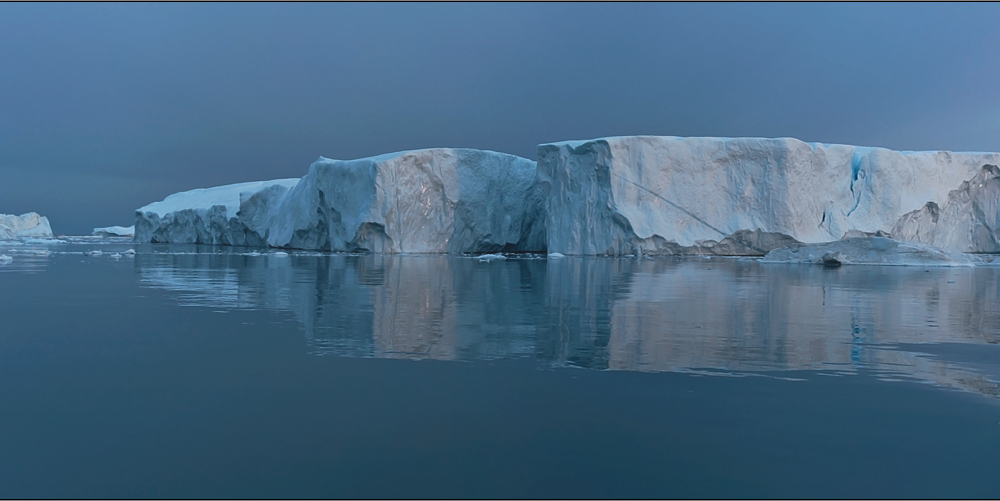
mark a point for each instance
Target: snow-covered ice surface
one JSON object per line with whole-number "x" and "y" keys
{"x": 747, "y": 196}
{"x": 869, "y": 251}
{"x": 209, "y": 215}
{"x": 24, "y": 226}
{"x": 438, "y": 200}
{"x": 115, "y": 231}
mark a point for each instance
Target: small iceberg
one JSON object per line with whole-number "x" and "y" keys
{"x": 556, "y": 255}
{"x": 115, "y": 231}
{"x": 485, "y": 258}
{"x": 868, "y": 251}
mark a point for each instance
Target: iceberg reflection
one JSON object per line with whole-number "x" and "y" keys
{"x": 716, "y": 316}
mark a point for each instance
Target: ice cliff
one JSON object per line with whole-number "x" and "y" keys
{"x": 672, "y": 195}
{"x": 208, "y": 215}
{"x": 424, "y": 201}
{"x": 610, "y": 196}
{"x": 26, "y": 225}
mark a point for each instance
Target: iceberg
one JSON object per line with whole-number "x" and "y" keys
{"x": 748, "y": 196}
{"x": 434, "y": 201}
{"x": 438, "y": 200}
{"x": 869, "y": 250}
{"x": 966, "y": 221}
{"x": 209, "y": 215}
{"x": 637, "y": 195}
{"x": 114, "y": 231}
{"x": 24, "y": 226}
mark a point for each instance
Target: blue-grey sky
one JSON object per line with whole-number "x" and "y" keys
{"x": 107, "y": 107}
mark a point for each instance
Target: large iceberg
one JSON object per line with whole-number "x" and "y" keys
{"x": 673, "y": 195}
{"x": 209, "y": 215}
{"x": 438, "y": 200}
{"x": 26, "y": 225}
{"x": 612, "y": 196}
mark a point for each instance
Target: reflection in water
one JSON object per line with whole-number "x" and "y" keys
{"x": 718, "y": 316}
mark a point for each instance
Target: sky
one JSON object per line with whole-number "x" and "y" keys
{"x": 105, "y": 108}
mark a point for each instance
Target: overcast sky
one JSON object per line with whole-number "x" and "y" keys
{"x": 107, "y": 107}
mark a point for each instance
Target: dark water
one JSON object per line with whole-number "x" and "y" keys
{"x": 207, "y": 372}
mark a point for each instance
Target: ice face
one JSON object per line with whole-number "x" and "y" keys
{"x": 205, "y": 216}
{"x": 671, "y": 195}
{"x": 613, "y": 196}
{"x": 424, "y": 201}
{"x": 26, "y": 225}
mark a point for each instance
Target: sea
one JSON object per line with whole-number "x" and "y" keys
{"x": 184, "y": 371}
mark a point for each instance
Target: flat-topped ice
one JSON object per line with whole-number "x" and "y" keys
{"x": 26, "y": 225}
{"x": 114, "y": 231}
{"x": 675, "y": 195}
{"x": 610, "y": 196}
{"x": 206, "y": 198}
{"x": 869, "y": 251}
{"x": 205, "y": 215}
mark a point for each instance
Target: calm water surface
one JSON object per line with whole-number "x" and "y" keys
{"x": 189, "y": 371}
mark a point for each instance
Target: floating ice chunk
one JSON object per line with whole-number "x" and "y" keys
{"x": 129, "y": 253}
{"x": 869, "y": 251}
{"x": 95, "y": 252}
{"x": 26, "y": 225}
{"x": 115, "y": 231}
{"x": 43, "y": 241}
{"x": 116, "y": 255}
{"x": 4, "y": 259}
{"x": 280, "y": 254}
{"x": 492, "y": 257}
{"x": 556, "y": 255}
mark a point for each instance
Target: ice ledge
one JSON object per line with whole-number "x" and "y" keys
{"x": 869, "y": 251}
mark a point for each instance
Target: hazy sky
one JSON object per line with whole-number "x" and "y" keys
{"x": 107, "y": 107}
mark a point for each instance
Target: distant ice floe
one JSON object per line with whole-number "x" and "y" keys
{"x": 492, "y": 257}
{"x": 4, "y": 259}
{"x": 115, "y": 231}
